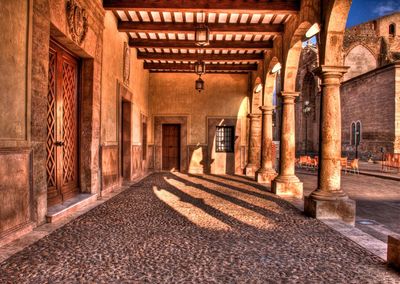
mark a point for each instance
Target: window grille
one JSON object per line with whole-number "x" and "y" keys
{"x": 225, "y": 139}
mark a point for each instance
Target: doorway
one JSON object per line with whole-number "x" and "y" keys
{"x": 62, "y": 126}
{"x": 126, "y": 137}
{"x": 171, "y": 145}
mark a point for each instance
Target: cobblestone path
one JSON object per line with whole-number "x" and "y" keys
{"x": 175, "y": 228}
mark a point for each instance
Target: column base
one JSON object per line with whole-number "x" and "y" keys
{"x": 343, "y": 209}
{"x": 265, "y": 176}
{"x": 287, "y": 186}
{"x": 250, "y": 170}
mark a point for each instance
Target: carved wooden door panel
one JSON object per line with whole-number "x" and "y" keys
{"x": 62, "y": 126}
{"x": 171, "y": 147}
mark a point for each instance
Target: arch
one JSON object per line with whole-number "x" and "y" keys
{"x": 293, "y": 57}
{"x": 335, "y": 15}
{"x": 256, "y": 96}
{"x": 392, "y": 29}
{"x": 270, "y": 82}
{"x": 361, "y": 60}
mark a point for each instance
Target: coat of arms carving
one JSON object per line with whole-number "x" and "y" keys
{"x": 77, "y": 21}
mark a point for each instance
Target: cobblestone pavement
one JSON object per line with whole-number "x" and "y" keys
{"x": 377, "y": 200}
{"x": 175, "y": 228}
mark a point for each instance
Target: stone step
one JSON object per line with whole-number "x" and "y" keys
{"x": 74, "y": 204}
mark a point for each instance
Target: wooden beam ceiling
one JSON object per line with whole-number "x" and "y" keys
{"x": 190, "y": 44}
{"x": 185, "y": 28}
{"x": 203, "y": 57}
{"x": 242, "y": 6}
{"x": 209, "y": 67}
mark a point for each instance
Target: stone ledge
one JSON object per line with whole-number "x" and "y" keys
{"x": 393, "y": 251}
{"x": 60, "y": 211}
{"x": 344, "y": 210}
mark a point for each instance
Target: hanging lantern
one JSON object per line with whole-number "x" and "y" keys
{"x": 202, "y": 33}
{"x": 199, "y": 84}
{"x": 200, "y": 68}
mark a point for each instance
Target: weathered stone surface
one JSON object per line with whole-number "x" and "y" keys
{"x": 287, "y": 186}
{"x": 343, "y": 209}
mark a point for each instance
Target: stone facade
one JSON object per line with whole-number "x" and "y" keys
{"x": 368, "y": 94}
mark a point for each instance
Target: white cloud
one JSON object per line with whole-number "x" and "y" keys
{"x": 387, "y": 7}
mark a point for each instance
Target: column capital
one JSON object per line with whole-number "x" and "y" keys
{"x": 267, "y": 109}
{"x": 290, "y": 94}
{"x": 289, "y": 97}
{"x": 254, "y": 115}
{"x": 325, "y": 71}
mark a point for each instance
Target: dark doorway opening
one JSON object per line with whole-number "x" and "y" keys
{"x": 126, "y": 140}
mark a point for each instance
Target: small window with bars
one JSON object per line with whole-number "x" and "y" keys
{"x": 225, "y": 139}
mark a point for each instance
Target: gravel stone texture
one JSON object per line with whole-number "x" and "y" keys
{"x": 178, "y": 228}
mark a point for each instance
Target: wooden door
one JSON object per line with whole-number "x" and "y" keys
{"x": 62, "y": 126}
{"x": 126, "y": 140}
{"x": 171, "y": 146}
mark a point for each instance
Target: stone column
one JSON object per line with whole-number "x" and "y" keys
{"x": 329, "y": 201}
{"x": 287, "y": 183}
{"x": 254, "y": 144}
{"x": 266, "y": 173}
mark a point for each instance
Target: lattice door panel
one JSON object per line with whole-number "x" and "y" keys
{"x": 51, "y": 124}
{"x": 62, "y": 126}
{"x": 69, "y": 123}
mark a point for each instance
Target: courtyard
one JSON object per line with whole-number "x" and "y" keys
{"x": 179, "y": 228}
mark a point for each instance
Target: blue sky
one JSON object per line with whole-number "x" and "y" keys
{"x": 365, "y": 10}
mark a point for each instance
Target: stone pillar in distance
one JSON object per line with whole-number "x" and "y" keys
{"x": 254, "y": 144}
{"x": 329, "y": 201}
{"x": 266, "y": 173}
{"x": 287, "y": 183}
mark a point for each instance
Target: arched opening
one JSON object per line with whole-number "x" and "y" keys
{"x": 392, "y": 30}
{"x": 361, "y": 60}
{"x": 306, "y": 109}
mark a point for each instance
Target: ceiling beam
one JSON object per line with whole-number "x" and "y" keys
{"x": 191, "y": 71}
{"x": 211, "y": 6}
{"x": 190, "y": 44}
{"x": 209, "y": 67}
{"x": 262, "y": 29}
{"x": 203, "y": 57}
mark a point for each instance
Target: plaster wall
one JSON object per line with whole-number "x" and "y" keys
{"x": 225, "y": 98}
{"x": 13, "y": 65}
{"x": 114, "y": 90}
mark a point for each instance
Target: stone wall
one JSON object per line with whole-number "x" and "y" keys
{"x": 15, "y": 136}
{"x": 224, "y": 98}
{"x": 371, "y": 99}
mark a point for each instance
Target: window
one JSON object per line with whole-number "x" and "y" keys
{"x": 358, "y": 133}
{"x": 392, "y": 30}
{"x": 355, "y": 138}
{"x": 144, "y": 140}
{"x": 225, "y": 139}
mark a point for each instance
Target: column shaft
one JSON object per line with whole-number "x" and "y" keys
{"x": 287, "y": 183}
{"x": 329, "y": 201}
{"x": 254, "y": 144}
{"x": 266, "y": 173}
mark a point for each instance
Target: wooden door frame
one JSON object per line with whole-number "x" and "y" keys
{"x": 53, "y": 44}
{"x": 179, "y": 144}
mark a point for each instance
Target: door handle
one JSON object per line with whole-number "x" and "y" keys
{"x": 59, "y": 143}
